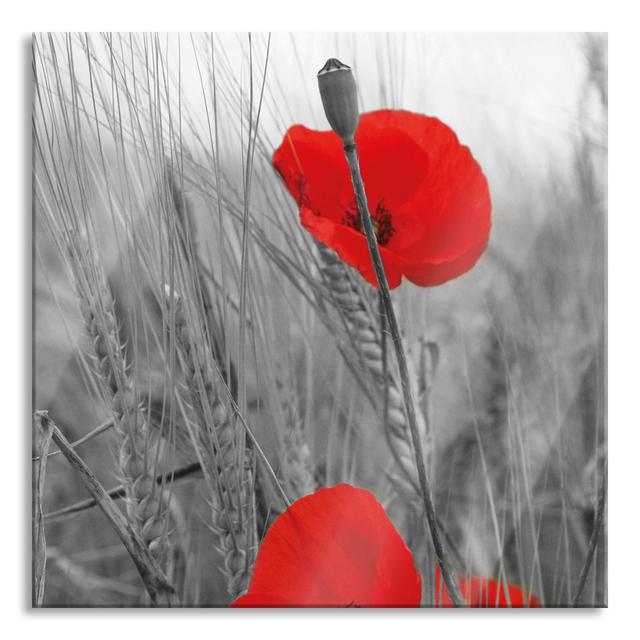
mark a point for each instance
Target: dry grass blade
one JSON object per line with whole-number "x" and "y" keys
{"x": 158, "y": 588}
{"x": 105, "y": 426}
{"x": 119, "y": 492}
{"x": 192, "y": 256}
{"x": 593, "y": 541}
{"x": 42, "y": 441}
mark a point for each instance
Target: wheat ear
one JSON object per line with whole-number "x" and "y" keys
{"x": 217, "y": 442}
{"x": 365, "y": 331}
{"x": 297, "y": 465}
{"x": 144, "y": 506}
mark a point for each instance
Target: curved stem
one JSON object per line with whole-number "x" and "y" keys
{"x": 593, "y": 541}
{"x": 385, "y": 295}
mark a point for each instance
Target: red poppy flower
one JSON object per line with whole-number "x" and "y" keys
{"x": 427, "y": 195}
{"x": 335, "y": 547}
{"x": 485, "y": 592}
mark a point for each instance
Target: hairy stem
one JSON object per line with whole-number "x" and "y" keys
{"x": 385, "y": 295}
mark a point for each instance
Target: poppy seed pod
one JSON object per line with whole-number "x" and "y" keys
{"x": 339, "y": 98}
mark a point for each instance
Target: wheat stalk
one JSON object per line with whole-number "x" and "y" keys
{"x": 297, "y": 464}
{"x": 365, "y": 330}
{"x": 218, "y": 443}
{"x": 159, "y": 589}
{"x": 144, "y": 504}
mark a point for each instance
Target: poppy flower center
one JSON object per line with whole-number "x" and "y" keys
{"x": 381, "y": 219}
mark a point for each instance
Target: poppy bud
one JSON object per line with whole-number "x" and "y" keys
{"x": 339, "y": 98}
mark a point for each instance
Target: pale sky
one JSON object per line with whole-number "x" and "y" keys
{"x": 513, "y": 98}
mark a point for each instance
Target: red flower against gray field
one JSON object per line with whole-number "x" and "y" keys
{"x": 485, "y": 593}
{"x": 333, "y": 548}
{"x": 427, "y": 195}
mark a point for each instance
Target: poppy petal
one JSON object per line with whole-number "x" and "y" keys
{"x": 252, "y": 600}
{"x": 335, "y": 547}
{"x": 392, "y": 162}
{"x": 352, "y": 247}
{"x": 432, "y": 192}
{"x": 485, "y": 593}
{"x": 428, "y": 274}
{"x": 313, "y": 168}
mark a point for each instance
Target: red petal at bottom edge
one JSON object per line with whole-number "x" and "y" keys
{"x": 485, "y": 593}
{"x": 430, "y": 274}
{"x": 259, "y": 601}
{"x": 335, "y": 547}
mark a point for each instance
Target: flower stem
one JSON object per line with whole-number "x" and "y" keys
{"x": 351, "y": 154}
{"x": 593, "y": 541}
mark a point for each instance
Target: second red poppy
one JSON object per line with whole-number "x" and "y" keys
{"x": 486, "y": 593}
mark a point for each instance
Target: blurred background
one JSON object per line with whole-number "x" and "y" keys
{"x": 130, "y": 126}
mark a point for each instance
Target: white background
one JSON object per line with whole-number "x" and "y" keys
{"x": 21, "y": 18}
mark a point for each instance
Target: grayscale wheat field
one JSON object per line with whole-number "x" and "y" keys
{"x": 181, "y": 309}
